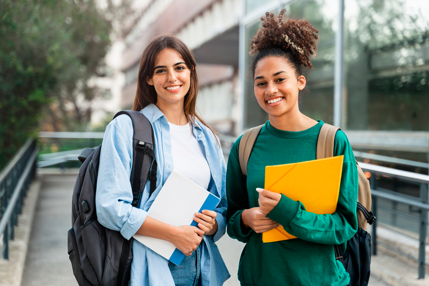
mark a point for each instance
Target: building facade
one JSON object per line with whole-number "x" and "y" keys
{"x": 370, "y": 75}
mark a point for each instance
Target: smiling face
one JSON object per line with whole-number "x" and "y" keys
{"x": 171, "y": 78}
{"x": 277, "y": 86}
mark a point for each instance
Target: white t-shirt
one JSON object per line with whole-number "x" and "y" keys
{"x": 188, "y": 155}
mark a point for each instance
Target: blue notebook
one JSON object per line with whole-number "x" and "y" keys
{"x": 176, "y": 204}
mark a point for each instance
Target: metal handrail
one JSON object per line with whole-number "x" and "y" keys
{"x": 14, "y": 161}
{"x": 72, "y": 135}
{"x": 400, "y": 174}
{"x": 14, "y": 182}
{"x": 399, "y": 199}
{"x": 58, "y": 157}
{"x": 388, "y": 159}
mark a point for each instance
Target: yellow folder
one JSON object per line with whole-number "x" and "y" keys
{"x": 316, "y": 184}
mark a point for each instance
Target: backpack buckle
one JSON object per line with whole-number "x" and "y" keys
{"x": 152, "y": 175}
{"x": 372, "y": 218}
{"x": 141, "y": 146}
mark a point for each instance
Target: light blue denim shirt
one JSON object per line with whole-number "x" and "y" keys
{"x": 114, "y": 196}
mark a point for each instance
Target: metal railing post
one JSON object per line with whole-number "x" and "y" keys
{"x": 6, "y": 243}
{"x": 395, "y": 204}
{"x": 3, "y": 197}
{"x": 373, "y": 184}
{"x": 423, "y": 231}
{"x": 12, "y": 224}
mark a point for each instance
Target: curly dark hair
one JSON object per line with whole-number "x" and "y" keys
{"x": 293, "y": 39}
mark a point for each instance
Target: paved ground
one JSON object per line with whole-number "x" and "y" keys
{"x": 47, "y": 259}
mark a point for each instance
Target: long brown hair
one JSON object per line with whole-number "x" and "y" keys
{"x": 146, "y": 93}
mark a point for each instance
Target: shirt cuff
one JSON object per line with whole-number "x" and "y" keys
{"x": 134, "y": 222}
{"x": 239, "y": 227}
{"x": 285, "y": 211}
{"x": 221, "y": 227}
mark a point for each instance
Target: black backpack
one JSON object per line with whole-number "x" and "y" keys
{"x": 357, "y": 256}
{"x": 100, "y": 256}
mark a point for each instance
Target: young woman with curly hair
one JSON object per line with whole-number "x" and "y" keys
{"x": 167, "y": 89}
{"x": 283, "y": 48}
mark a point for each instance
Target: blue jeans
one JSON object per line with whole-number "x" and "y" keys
{"x": 188, "y": 273}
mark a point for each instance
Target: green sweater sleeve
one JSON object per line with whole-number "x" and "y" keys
{"x": 236, "y": 192}
{"x": 335, "y": 228}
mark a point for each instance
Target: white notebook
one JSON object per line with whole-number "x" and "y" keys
{"x": 176, "y": 204}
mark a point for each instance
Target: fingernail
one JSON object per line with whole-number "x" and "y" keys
{"x": 259, "y": 190}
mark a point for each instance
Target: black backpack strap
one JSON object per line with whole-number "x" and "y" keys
{"x": 126, "y": 248}
{"x": 142, "y": 169}
{"x": 152, "y": 176}
{"x": 144, "y": 146}
{"x": 369, "y": 216}
{"x": 143, "y": 149}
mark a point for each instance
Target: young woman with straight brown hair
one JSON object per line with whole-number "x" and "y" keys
{"x": 167, "y": 89}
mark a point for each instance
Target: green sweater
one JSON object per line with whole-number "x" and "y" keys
{"x": 310, "y": 259}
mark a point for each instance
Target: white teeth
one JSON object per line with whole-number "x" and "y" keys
{"x": 274, "y": 100}
{"x": 173, "y": 87}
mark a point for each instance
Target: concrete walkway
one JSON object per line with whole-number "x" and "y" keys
{"x": 47, "y": 260}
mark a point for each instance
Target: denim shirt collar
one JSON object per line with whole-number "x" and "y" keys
{"x": 153, "y": 113}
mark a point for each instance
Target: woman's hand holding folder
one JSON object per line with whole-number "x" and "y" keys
{"x": 255, "y": 219}
{"x": 186, "y": 238}
{"x": 268, "y": 200}
{"x": 207, "y": 221}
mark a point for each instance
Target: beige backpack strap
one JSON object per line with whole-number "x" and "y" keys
{"x": 325, "y": 143}
{"x": 246, "y": 145}
{"x": 364, "y": 198}
{"x": 325, "y": 149}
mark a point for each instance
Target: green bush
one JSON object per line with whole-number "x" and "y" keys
{"x": 49, "y": 50}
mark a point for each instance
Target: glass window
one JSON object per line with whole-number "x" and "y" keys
{"x": 253, "y": 114}
{"x": 254, "y": 4}
{"x": 387, "y": 65}
{"x": 317, "y": 101}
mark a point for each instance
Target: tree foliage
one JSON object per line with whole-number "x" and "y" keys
{"x": 49, "y": 51}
